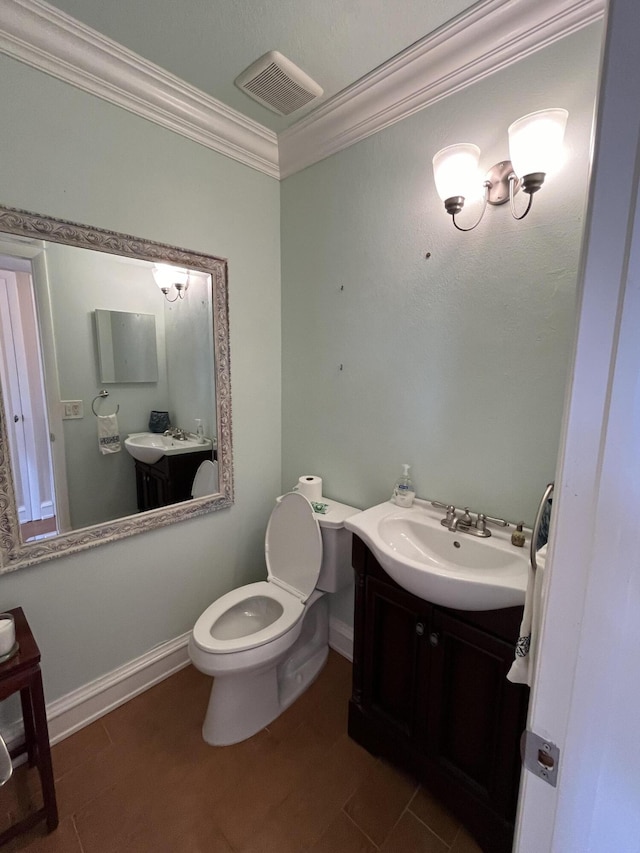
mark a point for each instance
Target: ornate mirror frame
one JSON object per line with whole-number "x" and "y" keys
{"x": 14, "y": 553}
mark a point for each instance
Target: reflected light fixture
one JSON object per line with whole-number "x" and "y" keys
{"x": 168, "y": 277}
{"x": 535, "y": 148}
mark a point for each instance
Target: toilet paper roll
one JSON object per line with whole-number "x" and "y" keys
{"x": 310, "y": 486}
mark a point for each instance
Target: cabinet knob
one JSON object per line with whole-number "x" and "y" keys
{"x": 434, "y": 639}
{"x": 419, "y": 629}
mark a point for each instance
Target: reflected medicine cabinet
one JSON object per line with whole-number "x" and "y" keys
{"x": 126, "y": 346}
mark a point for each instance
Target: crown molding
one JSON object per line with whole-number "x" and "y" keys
{"x": 46, "y": 38}
{"x": 490, "y": 36}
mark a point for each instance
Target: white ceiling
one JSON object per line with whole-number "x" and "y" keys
{"x": 207, "y": 43}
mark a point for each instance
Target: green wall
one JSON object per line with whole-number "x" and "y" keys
{"x": 70, "y": 155}
{"x": 456, "y": 363}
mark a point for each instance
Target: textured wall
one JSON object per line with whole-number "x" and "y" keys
{"x": 67, "y": 154}
{"x": 455, "y": 364}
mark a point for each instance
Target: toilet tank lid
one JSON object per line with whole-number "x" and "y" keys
{"x": 335, "y": 516}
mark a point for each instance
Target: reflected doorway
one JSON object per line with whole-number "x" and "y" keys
{"x": 25, "y": 401}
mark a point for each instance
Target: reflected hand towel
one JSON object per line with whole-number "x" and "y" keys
{"x": 108, "y": 434}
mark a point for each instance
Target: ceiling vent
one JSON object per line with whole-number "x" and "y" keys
{"x": 276, "y": 83}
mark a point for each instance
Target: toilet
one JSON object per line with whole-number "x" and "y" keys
{"x": 265, "y": 642}
{"x": 205, "y": 482}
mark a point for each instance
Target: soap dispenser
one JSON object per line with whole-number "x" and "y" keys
{"x": 518, "y": 537}
{"x": 404, "y": 491}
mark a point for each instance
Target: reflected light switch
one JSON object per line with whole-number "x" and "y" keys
{"x": 72, "y": 409}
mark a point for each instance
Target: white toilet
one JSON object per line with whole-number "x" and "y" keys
{"x": 265, "y": 642}
{"x": 205, "y": 482}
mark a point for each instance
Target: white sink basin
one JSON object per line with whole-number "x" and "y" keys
{"x": 451, "y": 569}
{"x": 149, "y": 446}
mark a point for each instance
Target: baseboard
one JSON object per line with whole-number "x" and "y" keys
{"x": 341, "y": 638}
{"x": 88, "y": 703}
{"x": 95, "y": 699}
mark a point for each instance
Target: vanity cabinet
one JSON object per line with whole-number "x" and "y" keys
{"x": 430, "y": 694}
{"x": 169, "y": 480}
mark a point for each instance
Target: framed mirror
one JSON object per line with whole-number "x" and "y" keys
{"x": 80, "y": 464}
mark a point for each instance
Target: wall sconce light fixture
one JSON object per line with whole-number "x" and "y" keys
{"x": 168, "y": 278}
{"x": 535, "y": 148}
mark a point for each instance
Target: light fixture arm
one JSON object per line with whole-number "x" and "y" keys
{"x": 530, "y": 184}
{"x": 455, "y": 204}
{"x": 165, "y": 290}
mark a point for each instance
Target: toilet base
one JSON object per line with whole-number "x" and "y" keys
{"x": 243, "y": 703}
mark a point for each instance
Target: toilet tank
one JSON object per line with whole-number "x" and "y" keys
{"x": 336, "y": 571}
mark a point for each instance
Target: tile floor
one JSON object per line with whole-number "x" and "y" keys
{"x": 141, "y": 779}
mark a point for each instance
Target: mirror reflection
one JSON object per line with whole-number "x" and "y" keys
{"x": 127, "y": 349}
{"x": 74, "y": 319}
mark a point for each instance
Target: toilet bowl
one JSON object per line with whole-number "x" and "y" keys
{"x": 264, "y": 643}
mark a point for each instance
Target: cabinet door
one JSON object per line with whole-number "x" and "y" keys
{"x": 152, "y": 487}
{"x": 393, "y": 651}
{"x": 473, "y": 715}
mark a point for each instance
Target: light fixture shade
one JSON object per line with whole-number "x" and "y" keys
{"x": 455, "y": 171}
{"x": 535, "y": 141}
{"x": 166, "y": 276}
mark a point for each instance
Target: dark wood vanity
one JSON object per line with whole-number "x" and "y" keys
{"x": 169, "y": 480}
{"x": 430, "y": 694}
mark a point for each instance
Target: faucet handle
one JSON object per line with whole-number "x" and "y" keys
{"x": 499, "y": 521}
{"x": 448, "y": 520}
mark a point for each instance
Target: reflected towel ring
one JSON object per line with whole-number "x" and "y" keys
{"x": 104, "y": 393}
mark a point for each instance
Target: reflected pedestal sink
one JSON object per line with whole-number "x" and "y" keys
{"x": 149, "y": 447}
{"x": 452, "y": 569}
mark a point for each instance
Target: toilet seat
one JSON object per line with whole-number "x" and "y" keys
{"x": 293, "y": 552}
{"x": 292, "y": 610}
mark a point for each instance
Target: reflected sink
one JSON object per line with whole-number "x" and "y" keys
{"x": 451, "y": 569}
{"x": 149, "y": 447}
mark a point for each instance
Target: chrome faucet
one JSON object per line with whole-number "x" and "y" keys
{"x": 461, "y": 522}
{"x": 464, "y": 523}
{"x": 177, "y": 433}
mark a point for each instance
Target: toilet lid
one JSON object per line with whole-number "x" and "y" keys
{"x": 293, "y": 546}
{"x": 206, "y": 480}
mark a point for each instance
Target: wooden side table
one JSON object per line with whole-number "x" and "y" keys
{"x": 22, "y": 672}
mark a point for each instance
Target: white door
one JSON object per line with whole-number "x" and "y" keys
{"x": 13, "y": 373}
{"x": 586, "y": 696}
{"x": 21, "y": 373}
